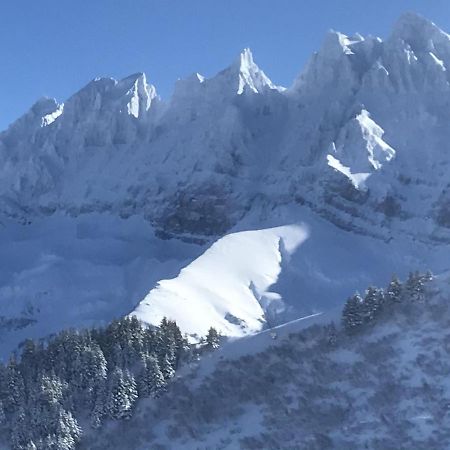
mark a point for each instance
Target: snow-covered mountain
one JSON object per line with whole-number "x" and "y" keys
{"x": 352, "y": 159}
{"x": 362, "y": 133}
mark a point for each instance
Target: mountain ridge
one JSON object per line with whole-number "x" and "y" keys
{"x": 196, "y": 163}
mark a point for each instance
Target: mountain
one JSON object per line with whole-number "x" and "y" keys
{"x": 353, "y": 155}
{"x": 348, "y": 139}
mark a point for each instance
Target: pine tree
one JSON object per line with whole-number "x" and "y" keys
{"x": 174, "y": 339}
{"x": 99, "y": 409}
{"x": 166, "y": 348}
{"x": 16, "y": 387}
{"x": 3, "y": 382}
{"x": 372, "y": 304}
{"x": 68, "y": 432}
{"x": 151, "y": 381}
{"x": 30, "y": 361}
{"x": 2, "y": 414}
{"x": 428, "y": 276}
{"x": 19, "y": 429}
{"x": 122, "y": 395}
{"x": 167, "y": 368}
{"x": 415, "y": 286}
{"x": 394, "y": 290}
{"x": 212, "y": 339}
{"x": 331, "y": 334}
{"x": 52, "y": 389}
{"x": 353, "y": 314}
{"x": 91, "y": 370}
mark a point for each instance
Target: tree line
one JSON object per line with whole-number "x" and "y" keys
{"x": 360, "y": 310}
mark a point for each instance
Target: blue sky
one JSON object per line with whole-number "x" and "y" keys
{"x": 54, "y": 47}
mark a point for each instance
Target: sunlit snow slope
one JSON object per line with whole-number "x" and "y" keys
{"x": 228, "y": 287}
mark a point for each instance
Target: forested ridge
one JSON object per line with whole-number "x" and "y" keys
{"x": 54, "y": 390}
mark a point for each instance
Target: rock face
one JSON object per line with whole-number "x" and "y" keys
{"x": 361, "y": 137}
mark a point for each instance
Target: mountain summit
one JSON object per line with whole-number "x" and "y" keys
{"x": 249, "y": 74}
{"x": 419, "y": 33}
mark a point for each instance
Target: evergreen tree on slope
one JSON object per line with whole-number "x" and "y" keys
{"x": 353, "y": 314}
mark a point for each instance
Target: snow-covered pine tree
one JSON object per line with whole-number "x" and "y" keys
{"x": 99, "y": 409}
{"x": 31, "y": 359}
{"x": 20, "y": 431}
{"x": 91, "y": 371}
{"x": 16, "y": 387}
{"x": 122, "y": 394}
{"x": 46, "y": 404}
{"x": 212, "y": 339}
{"x": 151, "y": 380}
{"x": 68, "y": 433}
{"x": 131, "y": 391}
{"x": 415, "y": 286}
{"x": 353, "y": 314}
{"x": 174, "y": 338}
{"x": 331, "y": 334}
{"x": 428, "y": 276}
{"x": 2, "y": 414}
{"x": 52, "y": 389}
{"x": 167, "y": 366}
{"x": 394, "y": 290}
{"x": 3, "y": 382}
{"x": 166, "y": 348}
{"x": 372, "y": 304}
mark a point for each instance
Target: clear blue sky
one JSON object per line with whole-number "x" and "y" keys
{"x": 54, "y": 47}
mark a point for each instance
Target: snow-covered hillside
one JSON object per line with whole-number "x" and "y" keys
{"x": 310, "y": 386}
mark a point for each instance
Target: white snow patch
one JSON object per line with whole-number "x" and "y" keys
{"x": 50, "y": 118}
{"x": 224, "y": 286}
{"x": 377, "y": 149}
{"x": 438, "y": 61}
{"x": 358, "y": 179}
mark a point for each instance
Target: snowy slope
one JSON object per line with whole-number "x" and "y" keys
{"x": 250, "y": 280}
{"x": 228, "y": 286}
{"x": 383, "y": 388}
{"x": 59, "y": 272}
